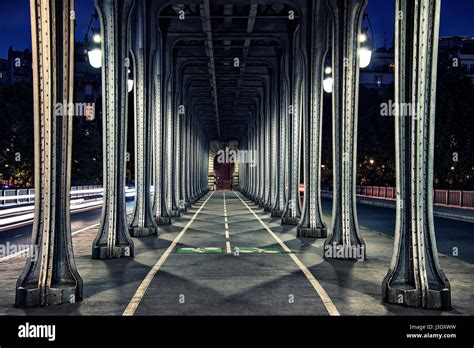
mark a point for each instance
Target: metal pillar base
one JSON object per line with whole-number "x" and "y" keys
{"x": 315, "y": 232}
{"x": 397, "y": 293}
{"x": 118, "y": 252}
{"x": 175, "y": 213}
{"x": 277, "y": 213}
{"x": 164, "y": 220}
{"x": 288, "y": 220}
{"x": 341, "y": 251}
{"x": 62, "y": 294}
{"x": 143, "y": 231}
{"x": 267, "y": 208}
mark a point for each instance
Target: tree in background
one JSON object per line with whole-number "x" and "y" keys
{"x": 16, "y": 134}
{"x": 454, "y": 138}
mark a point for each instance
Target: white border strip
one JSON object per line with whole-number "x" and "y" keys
{"x": 330, "y": 307}
{"x": 138, "y": 296}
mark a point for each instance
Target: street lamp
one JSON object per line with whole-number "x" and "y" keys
{"x": 94, "y": 52}
{"x": 365, "y": 45}
{"x": 129, "y": 82}
{"x": 94, "y": 49}
{"x": 365, "y": 51}
{"x": 328, "y": 81}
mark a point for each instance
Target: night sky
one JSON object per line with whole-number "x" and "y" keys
{"x": 457, "y": 18}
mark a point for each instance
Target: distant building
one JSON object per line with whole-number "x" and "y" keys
{"x": 380, "y": 72}
{"x": 87, "y": 80}
{"x": 462, "y": 49}
{"x": 3, "y": 71}
{"x": 19, "y": 69}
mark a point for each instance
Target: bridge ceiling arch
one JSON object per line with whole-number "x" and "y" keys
{"x": 226, "y": 55}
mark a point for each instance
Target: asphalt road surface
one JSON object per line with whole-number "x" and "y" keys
{"x": 452, "y": 236}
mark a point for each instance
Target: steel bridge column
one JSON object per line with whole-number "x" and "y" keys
{"x": 254, "y": 196}
{"x": 311, "y": 224}
{"x": 248, "y": 175}
{"x": 184, "y": 163}
{"x": 261, "y": 155}
{"x": 268, "y": 179}
{"x": 165, "y": 216}
{"x": 292, "y": 212}
{"x": 274, "y": 153}
{"x": 194, "y": 159}
{"x": 345, "y": 240}
{"x": 251, "y": 168}
{"x": 189, "y": 163}
{"x": 282, "y": 141}
{"x": 157, "y": 133}
{"x": 113, "y": 239}
{"x": 176, "y": 162}
{"x": 142, "y": 223}
{"x": 415, "y": 277}
{"x": 248, "y": 191}
{"x": 50, "y": 276}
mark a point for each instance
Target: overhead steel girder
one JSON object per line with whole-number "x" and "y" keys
{"x": 143, "y": 51}
{"x": 194, "y": 60}
{"x": 50, "y": 276}
{"x": 311, "y": 224}
{"x": 113, "y": 239}
{"x": 415, "y": 277}
{"x": 206, "y": 25}
{"x": 345, "y": 241}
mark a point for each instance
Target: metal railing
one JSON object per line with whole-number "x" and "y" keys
{"x": 12, "y": 197}
{"x": 453, "y": 198}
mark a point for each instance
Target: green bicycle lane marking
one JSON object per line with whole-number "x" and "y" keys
{"x": 255, "y": 250}
{"x": 208, "y": 250}
{"x": 238, "y": 250}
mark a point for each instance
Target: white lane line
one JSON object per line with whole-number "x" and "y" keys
{"x": 225, "y": 219}
{"x": 24, "y": 251}
{"x": 330, "y": 307}
{"x": 84, "y": 229}
{"x": 227, "y": 234}
{"x": 138, "y": 296}
{"x": 226, "y": 226}
{"x": 227, "y": 246}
